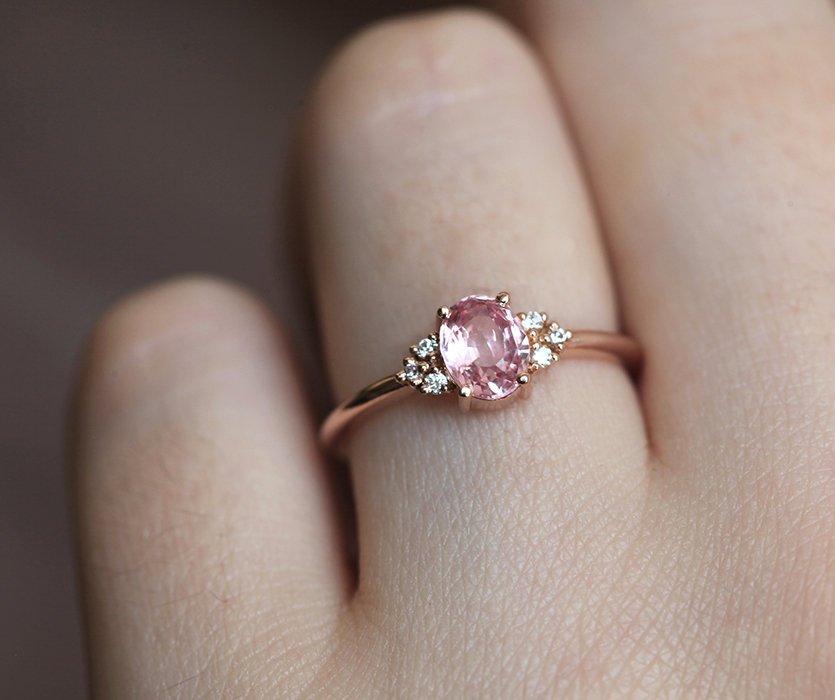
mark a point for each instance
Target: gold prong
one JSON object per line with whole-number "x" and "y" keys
{"x": 503, "y": 298}
{"x": 524, "y": 382}
{"x": 465, "y": 398}
{"x": 443, "y": 312}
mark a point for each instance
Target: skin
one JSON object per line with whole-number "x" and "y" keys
{"x": 663, "y": 167}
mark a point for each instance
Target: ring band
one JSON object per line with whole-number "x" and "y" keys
{"x": 485, "y": 354}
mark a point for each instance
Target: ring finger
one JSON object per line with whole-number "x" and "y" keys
{"x": 436, "y": 165}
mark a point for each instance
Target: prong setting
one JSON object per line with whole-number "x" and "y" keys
{"x": 503, "y": 298}
{"x": 465, "y": 398}
{"x": 524, "y": 382}
{"x": 443, "y": 312}
{"x": 424, "y": 369}
{"x": 547, "y": 338}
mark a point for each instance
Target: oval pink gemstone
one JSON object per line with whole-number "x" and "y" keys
{"x": 484, "y": 347}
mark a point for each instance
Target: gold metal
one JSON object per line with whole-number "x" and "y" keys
{"x": 503, "y": 298}
{"x": 465, "y": 398}
{"x": 524, "y": 382}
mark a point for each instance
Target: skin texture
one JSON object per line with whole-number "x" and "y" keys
{"x": 664, "y": 167}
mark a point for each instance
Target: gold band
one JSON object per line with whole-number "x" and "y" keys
{"x": 589, "y": 344}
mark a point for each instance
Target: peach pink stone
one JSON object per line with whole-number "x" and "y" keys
{"x": 484, "y": 347}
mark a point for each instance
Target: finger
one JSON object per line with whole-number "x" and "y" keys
{"x": 437, "y": 166}
{"x": 708, "y": 132}
{"x": 707, "y": 129}
{"x": 206, "y": 527}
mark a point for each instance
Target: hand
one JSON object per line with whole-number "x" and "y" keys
{"x": 601, "y": 539}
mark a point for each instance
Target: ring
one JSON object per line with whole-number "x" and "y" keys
{"x": 483, "y": 353}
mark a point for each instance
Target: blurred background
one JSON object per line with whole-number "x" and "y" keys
{"x": 137, "y": 141}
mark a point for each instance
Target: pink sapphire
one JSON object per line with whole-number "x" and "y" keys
{"x": 484, "y": 347}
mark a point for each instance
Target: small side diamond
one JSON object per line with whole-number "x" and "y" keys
{"x": 558, "y": 335}
{"x": 411, "y": 371}
{"x": 435, "y": 383}
{"x": 426, "y": 347}
{"x": 533, "y": 321}
{"x": 542, "y": 356}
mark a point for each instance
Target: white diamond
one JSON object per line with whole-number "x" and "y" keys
{"x": 411, "y": 370}
{"x": 426, "y": 347}
{"x": 435, "y": 383}
{"x": 558, "y": 335}
{"x": 533, "y": 321}
{"x": 542, "y": 356}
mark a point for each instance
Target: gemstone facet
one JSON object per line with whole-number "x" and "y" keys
{"x": 435, "y": 383}
{"x": 533, "y": 321}
{"x": 426, "y": 347}
{"x": 412, "y": 371}
{"x": 558, "y": 335}
{"x": 484, "y": 347}
{"x": 542, "y": 356}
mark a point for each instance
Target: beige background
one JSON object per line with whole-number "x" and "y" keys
{"x": 137, "y": 140}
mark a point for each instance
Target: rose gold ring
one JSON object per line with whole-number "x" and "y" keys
{"x": 483, "y": 353}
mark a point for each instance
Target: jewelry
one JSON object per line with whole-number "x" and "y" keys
{"x": 484, "y": 354}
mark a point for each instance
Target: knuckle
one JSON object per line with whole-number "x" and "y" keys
{"x": 155, "y": 308}
{"x": 157, "y": 333}
{"x": 409, "y": 68}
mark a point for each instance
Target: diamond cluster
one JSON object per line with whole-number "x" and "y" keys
{"x": 424, "y": 369}
{"x": 547, "y": 339}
